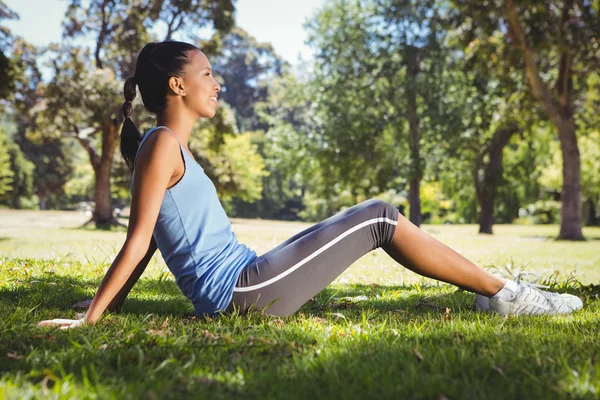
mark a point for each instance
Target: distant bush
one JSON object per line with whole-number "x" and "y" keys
{"x": 540, "y": 212}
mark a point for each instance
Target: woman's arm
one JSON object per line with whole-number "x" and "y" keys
{"x": 117, "y": 302}
{"x": 116, "y": 278}
{"x": 158, "y": 164}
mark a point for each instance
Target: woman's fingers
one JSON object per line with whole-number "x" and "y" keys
{"x": 74, "y": 324}
{"x": 63, "y": 323}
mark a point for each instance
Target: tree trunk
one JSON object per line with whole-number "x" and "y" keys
{"x": 570, "y": 212}
{"x": 414, "y": 195}
{"x": 43, "y": 199}
{"x": 486, "y": 189}
{"x": 103, "y": 212}
{"x": 15, "y": 202}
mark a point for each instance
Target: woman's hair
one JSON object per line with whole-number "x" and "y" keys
{"x": 156, "y": 63}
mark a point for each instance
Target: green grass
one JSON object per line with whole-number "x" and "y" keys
{"x": 377, "y": 332}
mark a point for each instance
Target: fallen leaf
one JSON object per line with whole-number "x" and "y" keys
{"x": 15, "y": 356}
{"x": 236, "y": 356}
{"x": 155, "y": 332}
{"x": 447, "y": 316}
{"x": 341, "y": 305}
{"x": 165, "y": 323}
{"x": 278, "y": 322}
{"x": 498, "y": 370}
{"x": 417, "y": 355}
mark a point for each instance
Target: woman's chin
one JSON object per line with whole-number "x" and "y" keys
{"x": 208, "y": 113}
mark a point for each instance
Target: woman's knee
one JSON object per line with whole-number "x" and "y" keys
{"x": 386, "y": 227}
{"x": 383, "y": 207}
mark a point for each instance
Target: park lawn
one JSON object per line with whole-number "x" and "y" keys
{"x": 376, "y": 332}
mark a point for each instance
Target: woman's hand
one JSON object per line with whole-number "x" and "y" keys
{"x": 65, "y": 323}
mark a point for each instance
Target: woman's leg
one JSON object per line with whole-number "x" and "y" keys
{"x": 421, "y": 253}
{"x": 314, "y": 227}
{"x": 304, "y": 265}
{"x": 291, "y": 274}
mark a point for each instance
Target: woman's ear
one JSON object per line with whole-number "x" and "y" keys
{"x": 176, "y": 85}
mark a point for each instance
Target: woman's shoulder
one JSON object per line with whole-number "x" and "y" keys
{"x": 159, "y": 143}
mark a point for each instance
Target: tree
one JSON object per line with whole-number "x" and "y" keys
{"x": 557, "y": 42}
{"x": 377, "y": 69}
{"x": 84, "y": 97}
{"x": 247, "y": 68}
{"x": 6, "y": 65}
{"x": 485, "y": 89}
{"x": 414, "y": 30}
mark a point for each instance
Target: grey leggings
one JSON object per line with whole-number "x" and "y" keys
{"x": 299, "y": 268}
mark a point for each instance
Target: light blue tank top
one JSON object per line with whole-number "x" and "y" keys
{"x": 195, "y": 239}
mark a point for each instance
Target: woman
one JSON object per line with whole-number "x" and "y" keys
{"x": 175, "y": 208}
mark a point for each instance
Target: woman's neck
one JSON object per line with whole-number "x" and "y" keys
{"x": 179, "y": 122}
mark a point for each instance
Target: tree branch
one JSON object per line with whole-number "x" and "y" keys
{"x": 82, "y": 136}
{"x": 102, "y": 34}
{"x": 539, "y": 89}
{"x": 170, "y": 29}
{"x": 565, "y": 82}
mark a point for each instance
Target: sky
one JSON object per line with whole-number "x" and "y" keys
{"x": 278, "y": 22}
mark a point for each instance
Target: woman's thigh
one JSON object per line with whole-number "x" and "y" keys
{"x": 332, "y": 219}
{"x": 292, "y": 273}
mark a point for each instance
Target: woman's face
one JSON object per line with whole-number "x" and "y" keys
{"x": 200, "y": 86}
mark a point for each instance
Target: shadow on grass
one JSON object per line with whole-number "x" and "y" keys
{"x": 588, "y": 238}
{"x": 393, "y": 345}
{"x": 57, "y": 293}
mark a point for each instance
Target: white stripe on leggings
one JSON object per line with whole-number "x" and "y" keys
{"x": 313, "y": 255}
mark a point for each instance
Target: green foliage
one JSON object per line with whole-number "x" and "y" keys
{"x": 434, "y": 204}
{"x": 542, "y": 212}
{"x": 245, "y": 68}
{"x": 6, "y": 172}
{"x": 7, "y": 64}
{"x": 81, "y": 184}
{"x": 550, "y": 176}
{"x": 287, "y": 149}
{"x": 23, "y": 178}
{"x": 239, "y": 168}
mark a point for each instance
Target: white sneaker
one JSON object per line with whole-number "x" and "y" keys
{"x": 528, "y": 299}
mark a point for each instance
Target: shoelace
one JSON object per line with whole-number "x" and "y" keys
{"x": 520, "y": 284}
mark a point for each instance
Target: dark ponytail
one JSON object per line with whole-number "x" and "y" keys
{"x": 130, "y": 135}
{"x": 156, "y": 63}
